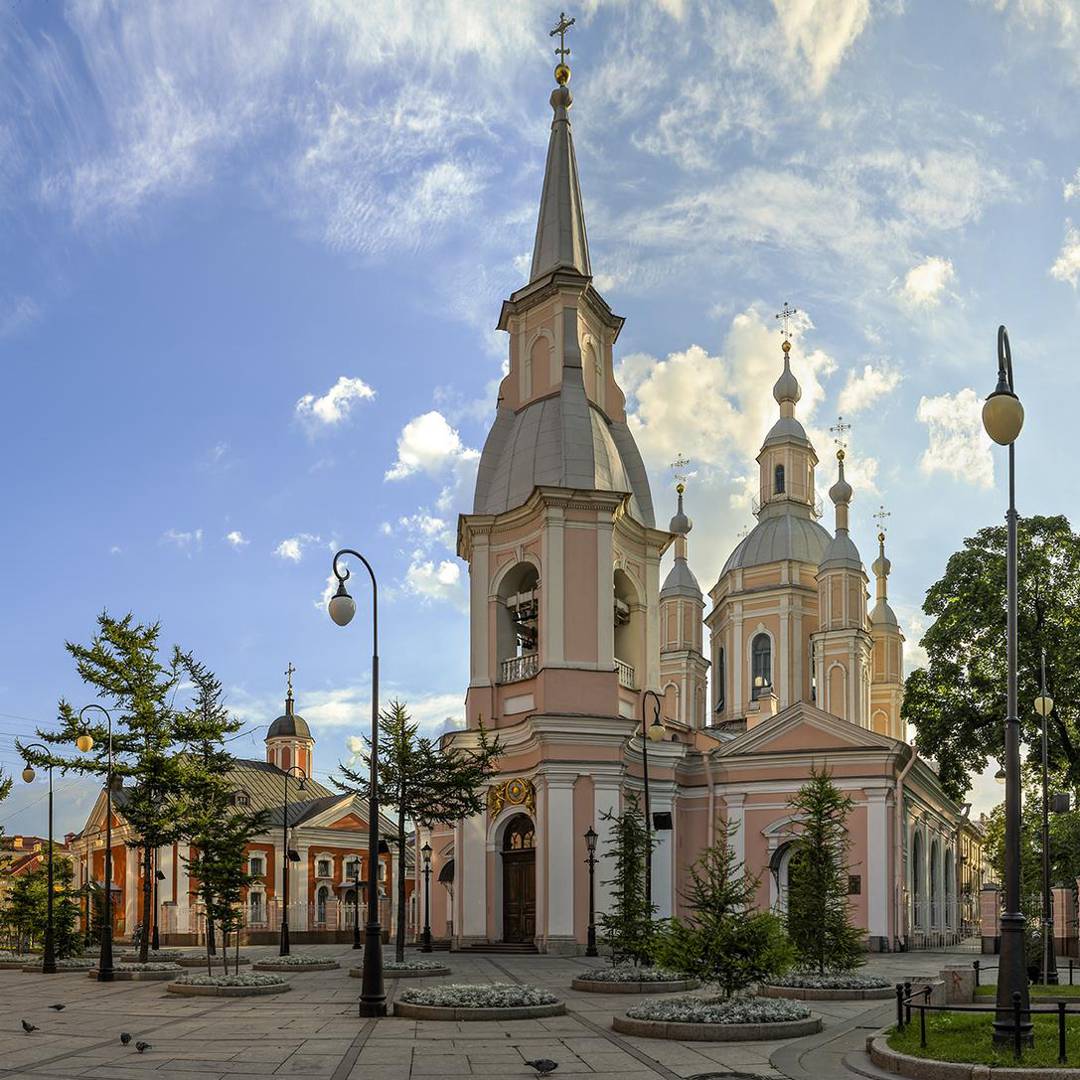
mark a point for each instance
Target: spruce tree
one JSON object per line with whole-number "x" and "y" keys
{"x": 723, "y": 939}
{"x": 627, "y": 928}
{"x": 819, "y": 912}
{"x": 422, "y": 781}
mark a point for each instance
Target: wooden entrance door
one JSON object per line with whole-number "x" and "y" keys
{"x": 519, "y": 880}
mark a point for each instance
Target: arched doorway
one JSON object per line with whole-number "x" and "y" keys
{"x": 519, "y": 879}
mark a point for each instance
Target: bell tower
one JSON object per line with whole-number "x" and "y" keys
{"x": 887, "y": 681}
{"x": 288, "y": 739}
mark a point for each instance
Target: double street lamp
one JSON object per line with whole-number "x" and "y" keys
{"x": 85, "y": 743}
{"x": 48, "y": 960}
{"x": 590, "y": 862}
{"x": 425, "y": 937}
{"x": 287, "y": 855}
{"x": 1003, "y": 417}
{"x": 342, "y": 608}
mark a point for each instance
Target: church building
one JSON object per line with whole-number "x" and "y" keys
{"x": 574, "y": 638}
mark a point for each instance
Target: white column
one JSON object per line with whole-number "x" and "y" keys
{"x": 298, "y": 886}
{"x": 131, "y": 890}
{"x": 471, "y": 879}
{"x": 663, "y": 854}
{"x": 479, "y": 646}
{"x": 605, "y": 597}
{"x": 605, "y": 800}
{"x": 553, "y": 588}
{"x": 877, "y": 863}
{"x": 652, "y": 623}
{"x": 560, "y": 857}
{"x": 785, "y": 646}
{"x": 183, "y": 895}
{"x": 736, "y": 661}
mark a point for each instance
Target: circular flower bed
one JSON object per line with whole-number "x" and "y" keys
{"x": 14, "y": 960}
{"x": 715, "y": 1019}
{"x": 628, "y": 979}
{"x": 194, "y": 960}
{"x": 296, "y": 963}
{"x": 161, "y": 956}
{"x": 490, "y": 1001}
{"x": 408, "y": 969}
{"x": 249, "y": 984}
{"x": 128, "y": 971}
{"x": 840, "y": 987}
{"x": 71, "y": 963}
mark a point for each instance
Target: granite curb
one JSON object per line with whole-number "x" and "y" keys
{"x": 686, "y": 1032}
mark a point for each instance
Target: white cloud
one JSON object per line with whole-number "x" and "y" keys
{"x": 347, "y": 707}
{"x": 957, "y": 444}
{"x": 429, "y": 444}
{"x": 17, "y": 313}
{"x": 292, "y": 548}
{"x": 924, "y": 283}
{"x": 436, "y": 581}
{"x": 1072, "y": 187}
{"x": 864, "y": 388}
{"x": 334, "y": 406}
{"x": 236, "y": 539}
{"x": 1067, "y": 265}
{"x": 186, "y": 542}
{"x": 822, "y": 31}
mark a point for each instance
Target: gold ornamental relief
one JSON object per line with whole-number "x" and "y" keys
{"x": 516, "y": 792}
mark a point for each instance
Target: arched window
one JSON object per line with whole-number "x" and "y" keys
{"x": 778, "y": 480}
{"x": 520, "y": 834}
{"x": 760, "y": 665}
{"x": 320, "y": 904}
{"x": 255, "y": 901}
{"x": 518, "y": 630}
{"x": 935, "y": 885}
{"x": 721, "y": 680}
{"x": 917, "y": 886}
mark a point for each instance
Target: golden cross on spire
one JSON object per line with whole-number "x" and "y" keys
{"x": 839, "y": 432}
{"x": 289, "y": 672}
{"x": 881, "y": 517}
{"x": 784, "y": 315}
{"x": 678, "y": 469}
{"x": 562, "y": 52}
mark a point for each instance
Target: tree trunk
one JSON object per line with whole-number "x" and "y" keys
{"x": 147, "y": 890}
{"x": 236, "y": 964}
{"x": 399, "y": 950}
{"x": 209, "y": 941}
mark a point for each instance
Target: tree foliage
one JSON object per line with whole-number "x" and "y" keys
{"x": 957, "y": 703}
{"x": 627, "y": 927}
{"x": 723, "y": 940}
{"x": 26, "y": 907}
{"x": 819, "y": 912}
{"x": 420, "y": 780}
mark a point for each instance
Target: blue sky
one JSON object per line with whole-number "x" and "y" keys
{"x": 253, "y": 257}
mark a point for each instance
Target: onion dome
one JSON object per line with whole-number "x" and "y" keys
{"x": 290, "y": 724}
{"x": 787, "y": 387}
{"x": 680, "y": 580}
{"x": 882, "y": 615}
{"x": 841, "y": 552}
{"x": 680, "y": 523}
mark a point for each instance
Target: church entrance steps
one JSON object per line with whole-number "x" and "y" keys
{"x": 504, "y": 948}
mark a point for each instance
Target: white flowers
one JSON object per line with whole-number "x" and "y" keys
{"x": 135, "y": 966}
{"x": 489, "y": 996}
{"x": 159, "y": 956}
{"x": 299, "y": 961}
{"x": 248, "y": 978}
{"x": 715, "y": 1010}
{"x": 832, "y": 982}
{"x": 627, "y": 973}
{"x": 412, "y": 965}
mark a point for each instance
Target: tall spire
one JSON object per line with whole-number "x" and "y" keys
{"x": 289, "y": 672}
{"x": 841, "y": 551}
{"x": 561, "y": 242}
{"x": 882, "y": 613}
{"x": 680, "y": 580}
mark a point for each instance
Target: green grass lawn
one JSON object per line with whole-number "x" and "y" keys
{"x": 967, "y": 1038}
{"x": 1065, "y": 991}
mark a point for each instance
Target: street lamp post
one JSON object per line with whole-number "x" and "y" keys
{"x": 155, "y": 940}
{"x": 293, "y": 770}
{"x": 48, "y": 960}
{"x": 655, "y": 732}
{"x": 1003, "y": 417}
{"x": 85, "y": 743}
{"x": 590, "y": 862}
{"x": 356, "y": 904}
{"x": 1044, "y": 705}
{"x": 425, "y": 937}
{"x": 342, "y": 608}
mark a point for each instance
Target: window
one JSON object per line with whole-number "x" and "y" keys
{"x": 323, "y": 868}
{"x": 518, "y": 627}
{"x": 778, "y": 476}
{"x": 255, "y": 904}
{"x": 382, "y": 871}
{"x": 721, "y": 679}
{"x": 256, "y": 866}
{"x": 241, "y": 798}
{"x": 352, "y": 868}
{"x": 761, "y": 665}
{"x": 320, "y": 904}
{"x": 520, "y": 835}
{"x": 854, "y": 884}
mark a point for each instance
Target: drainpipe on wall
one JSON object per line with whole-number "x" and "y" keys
{"x": 711, "y": 784}
{"x": 898, "y": 840}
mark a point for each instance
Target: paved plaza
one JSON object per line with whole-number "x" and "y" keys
{"x": 313, "y": 1030}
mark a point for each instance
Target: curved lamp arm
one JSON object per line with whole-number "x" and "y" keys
{"x": 1005, "y": 368}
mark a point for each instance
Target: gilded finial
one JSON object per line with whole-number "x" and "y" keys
{"x": 562, "y": 69}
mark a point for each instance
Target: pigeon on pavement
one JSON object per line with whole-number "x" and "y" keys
{"x": 543, "y": 1066}
{"x": 57, "y": 1008}
{"x": 142, "y": 1047}
{"x": 125, "y": 1037}
{"x": 28, "y": 1027}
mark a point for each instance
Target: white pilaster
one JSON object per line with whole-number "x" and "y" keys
{"x": 605, "y": 597}
{"x": 877, "y": 863}
{"x": 479, "y": 646}
{"x": 298, "y": 886}
{"x": 471, "y": 879}
{"x": 553, "y": 587}
{"x": 605, "y": 801}
{"x": 661, "y": 798}
{"x": 560, "y": 856}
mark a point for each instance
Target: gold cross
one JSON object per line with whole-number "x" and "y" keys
{"x": 289, "y": 672}
{"x": 562, "y": 52}
{"x": 784, "y": 315}
{"x": 839, "y": 433}
{"x": 881, "y": 517}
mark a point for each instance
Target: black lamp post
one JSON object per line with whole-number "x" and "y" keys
{"x": 85, "y": 743}
{"x": 286, "y": 855}
{"x": 1044, "y": 705}
{"x": 425, "y": 937}
{"x": 590, "y": 862}
{"x": 1003, "y": 417}
{"x": 155, "y": 940}
{"x": 655, "y": 732}
{"x": 342, "y": 608}
{"x": 356, "y": 903}
{"x": 48, "y": 959}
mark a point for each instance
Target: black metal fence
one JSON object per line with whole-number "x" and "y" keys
{"x": 981, "y": 967}
{"x": 906, "y": 1001}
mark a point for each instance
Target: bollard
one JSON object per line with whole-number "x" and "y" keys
{"x": 907, "y": 998}
{"x": 975, "y": 965}
{"x": 1070, "y": 973}
{"x": 900, "y": 1006}
{"x": 1061, "y": 1033}
{"x": 1018, "y": 1048}
{"x": 922, "y": 1027}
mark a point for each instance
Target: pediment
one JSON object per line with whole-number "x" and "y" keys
{"x": 804, "y": 728}
{"x": 349, "y": 821}
{"x": 95, "y": 821}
